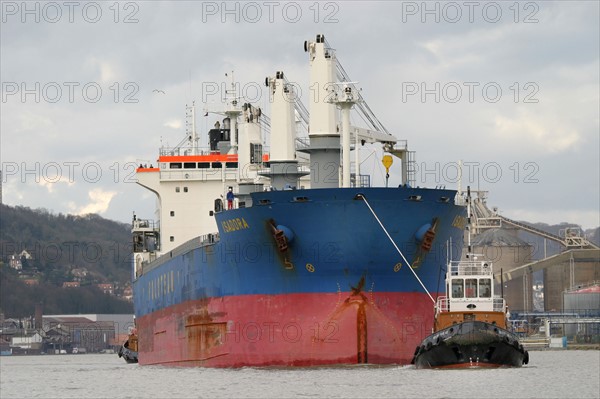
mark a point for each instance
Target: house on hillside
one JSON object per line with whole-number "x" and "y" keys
{"x": 79, "y": 273}
{"x": 15, "y": 260}
{"x": 128, "y": 293}
{"x": 106, "y": 288}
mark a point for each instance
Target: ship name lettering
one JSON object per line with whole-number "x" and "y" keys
{"x": 234, "y": 225}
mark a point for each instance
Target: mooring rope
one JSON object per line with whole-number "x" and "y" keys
{"x": 395, "y": 246}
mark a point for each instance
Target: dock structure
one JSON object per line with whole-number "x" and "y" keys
{"x": 562, "y": 272}
{"x": 497, "y": 239}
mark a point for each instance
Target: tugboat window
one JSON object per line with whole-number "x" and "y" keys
{"x": 457, "y": 288}
{"x": 471, "y": 288}
{"x": 485, "y": 288}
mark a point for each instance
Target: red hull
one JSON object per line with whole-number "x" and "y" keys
{"x": 287, "y": 330}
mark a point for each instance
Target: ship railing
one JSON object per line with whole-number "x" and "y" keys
{"x": 197, "y": 242}
{"x": 443, "y": 304}
{"x": 469, "y": 268}
{"x": 303, "y": 167}
{"x": 177, "y": 151}
{"x": 144, "y": 224}
{"x": 499, "y": 304}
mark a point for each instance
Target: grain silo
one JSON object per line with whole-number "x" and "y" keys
{"x": 506, "y": 251}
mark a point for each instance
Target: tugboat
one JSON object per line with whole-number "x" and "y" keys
{"x": 470, "y": 325}
{"x": 129, "y": 349}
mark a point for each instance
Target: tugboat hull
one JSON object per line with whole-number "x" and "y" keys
{"x": 128, "y": 355}
{"x": 470, "y": 344}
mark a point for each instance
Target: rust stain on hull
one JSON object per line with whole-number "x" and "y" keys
{"x": 361, "y": 334}
{"x": 359, "y": 301}
{"x": 203, "y": 335}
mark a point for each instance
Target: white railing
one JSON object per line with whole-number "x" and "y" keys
{"x": 470, "y": 268}
{"x": 444, "y": 303}
{"x": 184, "y": 150}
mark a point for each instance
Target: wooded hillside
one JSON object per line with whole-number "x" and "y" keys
{"x": 78, "y": 250}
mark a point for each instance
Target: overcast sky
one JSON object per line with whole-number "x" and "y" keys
{"x": 509, "y": 88}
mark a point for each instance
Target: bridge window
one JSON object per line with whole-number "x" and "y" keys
{"x": 256, "y": 153}
{"x": 457, "y": 288}
{"x": 471, "y": 288}
{"x": 189, "y": 165}
{"x": 175, "y": 165}
{"x": 485, "y": 288}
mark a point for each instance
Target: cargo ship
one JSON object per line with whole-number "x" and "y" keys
{"x": 288, "y": 256}
{"x": 471, "y": 322}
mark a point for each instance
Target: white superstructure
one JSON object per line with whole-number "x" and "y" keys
{"x": 191, "y": 183}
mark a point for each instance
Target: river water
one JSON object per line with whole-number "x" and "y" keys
{"x": 550, "y": 374}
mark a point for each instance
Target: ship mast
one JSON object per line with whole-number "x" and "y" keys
{"x": 191, "y": 127}
{"x": 469, "y": 249}
{"x": 232, "y": 111}
{"x": 346, "y": 101}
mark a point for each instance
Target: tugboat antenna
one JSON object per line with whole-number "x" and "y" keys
{"x": 469, "y": 251}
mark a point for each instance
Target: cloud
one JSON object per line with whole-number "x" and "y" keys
{"x": 173, "y": 124}
{"x": 559, "y": 135}
{"x": 100, "y": 201}
{"x": 30, "y": 121}
{"x": 50, "y": 179}
{"x": 107, "y": 72}
{"x": 533, "y": 131}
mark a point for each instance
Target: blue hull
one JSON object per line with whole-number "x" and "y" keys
{"x": 334, "y": 244}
